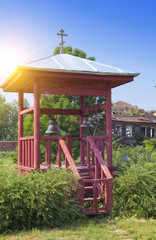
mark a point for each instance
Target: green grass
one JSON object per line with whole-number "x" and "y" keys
{"x": 94, "y": 228}
{"x": 6, "y": 161}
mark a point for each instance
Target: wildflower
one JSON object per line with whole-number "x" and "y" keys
{"x": 125, "y": 158}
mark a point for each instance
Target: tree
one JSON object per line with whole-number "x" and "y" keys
{"x": 76, "y": 52}
{"x": 4, "y": 117}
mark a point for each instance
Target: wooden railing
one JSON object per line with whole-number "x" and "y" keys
{"x": 102, "y": 179}
{"x": 27, "y": 152}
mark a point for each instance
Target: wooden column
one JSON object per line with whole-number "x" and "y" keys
{"x": 20, "y": 126}
{"x": 36, "y": 124}
{"x": 82, "y": 131}
{"x": 109, "y": 128}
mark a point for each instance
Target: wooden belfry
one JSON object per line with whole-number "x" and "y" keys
{"x": 69, "y": 75}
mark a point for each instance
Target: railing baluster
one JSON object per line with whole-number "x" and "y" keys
{"x": 88, "y": 154}
{"x": 32, "y": 153}
{"x": 59, "y": 154}
{"x": 26, "y": 153}
{"x": 92, "y": 157}
{"x": 29, "y": 154}
{"x": 23, "y": 154}
{"x": 48, "y": 152}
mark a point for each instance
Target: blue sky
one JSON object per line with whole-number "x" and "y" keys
{"x": 120, "y": 33}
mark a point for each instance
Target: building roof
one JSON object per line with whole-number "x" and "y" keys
{"x": 63, "y": 72}
{"x": 122, "y": 104}
{"x": 147, "y": 118}
{"x": 72, "y": 63}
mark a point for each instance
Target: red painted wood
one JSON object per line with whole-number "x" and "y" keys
{"x": 56, "y": 138}
{"x": 80, "y": 192}
{"x": 27, "y": 138}
{"x": 29, "y": 153}
{"x": 102, "y": 150}
{"x": 48, "y": 152}
{"x": 26, "y": 152}
{"x": 32, "y": 153}
{"x": 95, "y": 194}
{"x": 82, "y": 131}
{"x": 61, "y": 74}
{"x": 36, "y": 124}
{"x": 59, "y": 154}
{"x": 95, "y": 108}
{"x": 71, "y": 91}
{"x": 92, "y": 157}
{"x": 100, "y": 159}
{"x": 69, "y": 143}
{"x": 51, "y": 111}
{"x": 109, "y": 195}
{"x": 88, "y": 154}
{"x": 109, "y": 129}
{"x": 98, "y": 165}
{"x": 20, "y": 126}
{"x": 68, "y": 157}
{"x": 23, "y": 153}
{"x": 27, "y": 111}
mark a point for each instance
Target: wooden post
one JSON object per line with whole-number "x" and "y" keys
{"x": 82, "y": 131}
{"x": 109, "y": 194}
{"x": 69, "y": 143}
{"x": 36, "y": 124}
{"x": 109, "y": 128}
{"x": 20, "y": 126}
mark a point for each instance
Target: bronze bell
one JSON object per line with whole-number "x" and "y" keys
{"x": 53, "y": 127}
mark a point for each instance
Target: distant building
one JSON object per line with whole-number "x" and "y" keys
{"x": 130, "y": 123}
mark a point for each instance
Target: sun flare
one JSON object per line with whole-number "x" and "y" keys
{"x": 8, "y": 63}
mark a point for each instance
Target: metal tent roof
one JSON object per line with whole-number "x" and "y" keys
{"x": 72, "y": 63}
{"x": 66, "y": 74}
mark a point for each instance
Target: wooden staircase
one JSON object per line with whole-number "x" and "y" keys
{"x": 95, "y": 193}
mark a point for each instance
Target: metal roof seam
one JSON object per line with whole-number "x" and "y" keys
{"x": 58, "y": 63}
{"x": 84, "y": 60}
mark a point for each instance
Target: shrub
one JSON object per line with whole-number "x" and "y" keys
{"x": 150, "y": 144}
{"x": 37, "y": 199}
{"x": 135, "y": 191}
{"x": 126, "y": 156}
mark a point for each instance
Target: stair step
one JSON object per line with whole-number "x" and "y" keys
{"x": 86, "y": 177}
{"x": 88, "y": 187}
{"x": 91, "y": 211}
{"x": 91, "y": 199}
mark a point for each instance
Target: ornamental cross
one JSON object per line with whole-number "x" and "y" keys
{"x": 62, "y": 42}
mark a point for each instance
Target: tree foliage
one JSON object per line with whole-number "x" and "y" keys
{"x": 76, "y": 52}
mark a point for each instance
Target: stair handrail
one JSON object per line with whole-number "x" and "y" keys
{"x": 99, "y": 158}
{"x": 68, "y": 156}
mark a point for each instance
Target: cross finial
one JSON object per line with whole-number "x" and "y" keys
{"x": 62, "y": 42}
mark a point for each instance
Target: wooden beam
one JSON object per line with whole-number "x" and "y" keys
{"x": 64, "y": 74}
{"x": 95, "y": 108}
{"x": 51, "y": 111}
{"x": 76, "y": 92}
{"x": 27, "y": 111}
{"x": 20, "y": 126}
{"x": 36, "y": 125}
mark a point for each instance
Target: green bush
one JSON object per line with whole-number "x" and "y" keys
{"x": 135, "y": 191}
{"x": 125, "y": 156}
{"x": 37, "y": 199}
{"x": 150, "y": 144}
